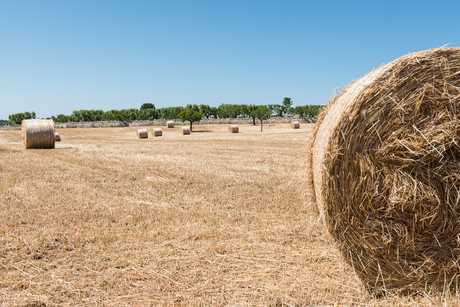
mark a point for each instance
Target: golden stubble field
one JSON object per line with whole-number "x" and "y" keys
{"x": 207, "y": 219}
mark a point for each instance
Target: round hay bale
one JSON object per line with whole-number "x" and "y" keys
{"x": 142, "y": 133}
{"x": 233, "y": 129}
{"x": 295, "y": 125}
{"x": 57, "y": 137}
{"x": 37, "y": 133}
{"x": 170, "y": 124}
{"x": 185, "y": 130}
{"x": 157, "y": 132}
{"x": 384, "y": 166}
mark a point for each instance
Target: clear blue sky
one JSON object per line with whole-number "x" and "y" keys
{"x": 64, "y": 55}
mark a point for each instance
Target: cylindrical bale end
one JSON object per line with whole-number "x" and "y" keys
{"x": 383, "y": 168}
{"x": 157, "y": 132}
{"x": 295, "y": 125}
{"x": 57, "y": 137}
{"x": 142, "y": 133}
{"x": 233, "y": 129}
{"x": 37, "y": 133}
{"x": 170, "y": 124}
{"x": 185, "y": 130}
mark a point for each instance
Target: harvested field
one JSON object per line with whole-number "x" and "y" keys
{"x": 210, "y": 219}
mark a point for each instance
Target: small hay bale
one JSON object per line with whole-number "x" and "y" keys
{"x": 233, "y": 129}
{"x": 57, "y": 137}
{"x": 295, "y": 125}
{"x": 185, "y": 130}
{"x": 384, "y": 165}
{"x": 170, "y": 124}
{"x": 142, "y": 133}
{"x": 37, "y": 133}
{"x": 157, "y": 132}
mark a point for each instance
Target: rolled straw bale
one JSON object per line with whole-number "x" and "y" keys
{"x": 142, "y": 133}
{"x": 37, "y": 133}
{"x": 384, "y": 165}
{"x": 57, "y": 137}
{"x": 185, "y": 130}
{"x": 233, "y": 129}
{"x": 170, "y": 124}
{"x": 295, "y": 125}
{"x": 157, "y": 132}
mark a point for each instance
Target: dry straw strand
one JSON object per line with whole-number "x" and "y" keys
{"x": 295, "y": 125}
{"x": 37, "y": 133}
{"x": 185, "y": 130}
{"x": 233, "y": 129}
{"x": 142, "y": 133}
{"x": 384, "y": 165}
{"x": 170, "y": 124}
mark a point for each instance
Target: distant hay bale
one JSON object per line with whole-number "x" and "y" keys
{"x": 170, "y": 123}
{"x": 384, "y": 165}
{"x": 233, "y": 129}
{"x": 142, "y": 133}
{"x": 295, "y": 125}
{"x": 185, "y": 130}
{"x": 37, "y": 133}
{"x": 157, "y": 132}
{"x": 57, "y": 137}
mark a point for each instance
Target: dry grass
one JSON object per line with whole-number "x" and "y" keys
{"x": 210, "y": 219}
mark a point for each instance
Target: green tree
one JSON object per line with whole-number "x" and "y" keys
{"x": 213, "y": 111}
{"x": 190, "y": 116}
{"x": 262, "y": 113}
{"x": 16, "y": 119}
{"x": 286, "y": 107}
{"x": 147, "y": 106}
{"x": 205, "y": 110}
{"x": 277, "y": 109}
{"x": 250, "y": 111}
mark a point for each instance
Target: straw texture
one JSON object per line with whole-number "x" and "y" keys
{"x": 233, "y": 129}
{"x": 295, "y": 125}
{"x": 384, "y": 166}
{"x": 157, "y": 132}
{"x": 37, "y": 133}
{"x": 142, "y": 133}
{"x": 185, "y": 130}
{"x": 170, "y": 124}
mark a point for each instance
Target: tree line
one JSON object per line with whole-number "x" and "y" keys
{"x": 147, "y": 111}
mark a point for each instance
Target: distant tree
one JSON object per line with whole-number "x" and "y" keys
{"x": 16, "y": 119}
{"x": 61, "y": 118}
{"x": 262, "y": 113}
{"x": 190, "y": 116}
{"x": 250, "y": 110}
{"x": 287, "y": 105}
{"x": 193, "y": 107}
{"x": 277, "y": 109}
{"x": 213, "y": 112}
{"x": 205, "y": 110}
{"x": 229, "y": 110}
{"x": 147, "y": 106}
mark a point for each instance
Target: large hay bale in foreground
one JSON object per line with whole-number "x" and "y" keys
{"x": 170, "y": 124}
{"x": 37, "y": 133}
{"x": 185, "y": 130}
{"x": 157, "y": 132}
{"x": 233, "y": 129}
{"x": 142, "y": 133}
{"x": 295, "y": 125}
{"x": 384, "y": 163}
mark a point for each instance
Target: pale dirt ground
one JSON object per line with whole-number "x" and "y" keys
{"x": 207, "y": 219}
